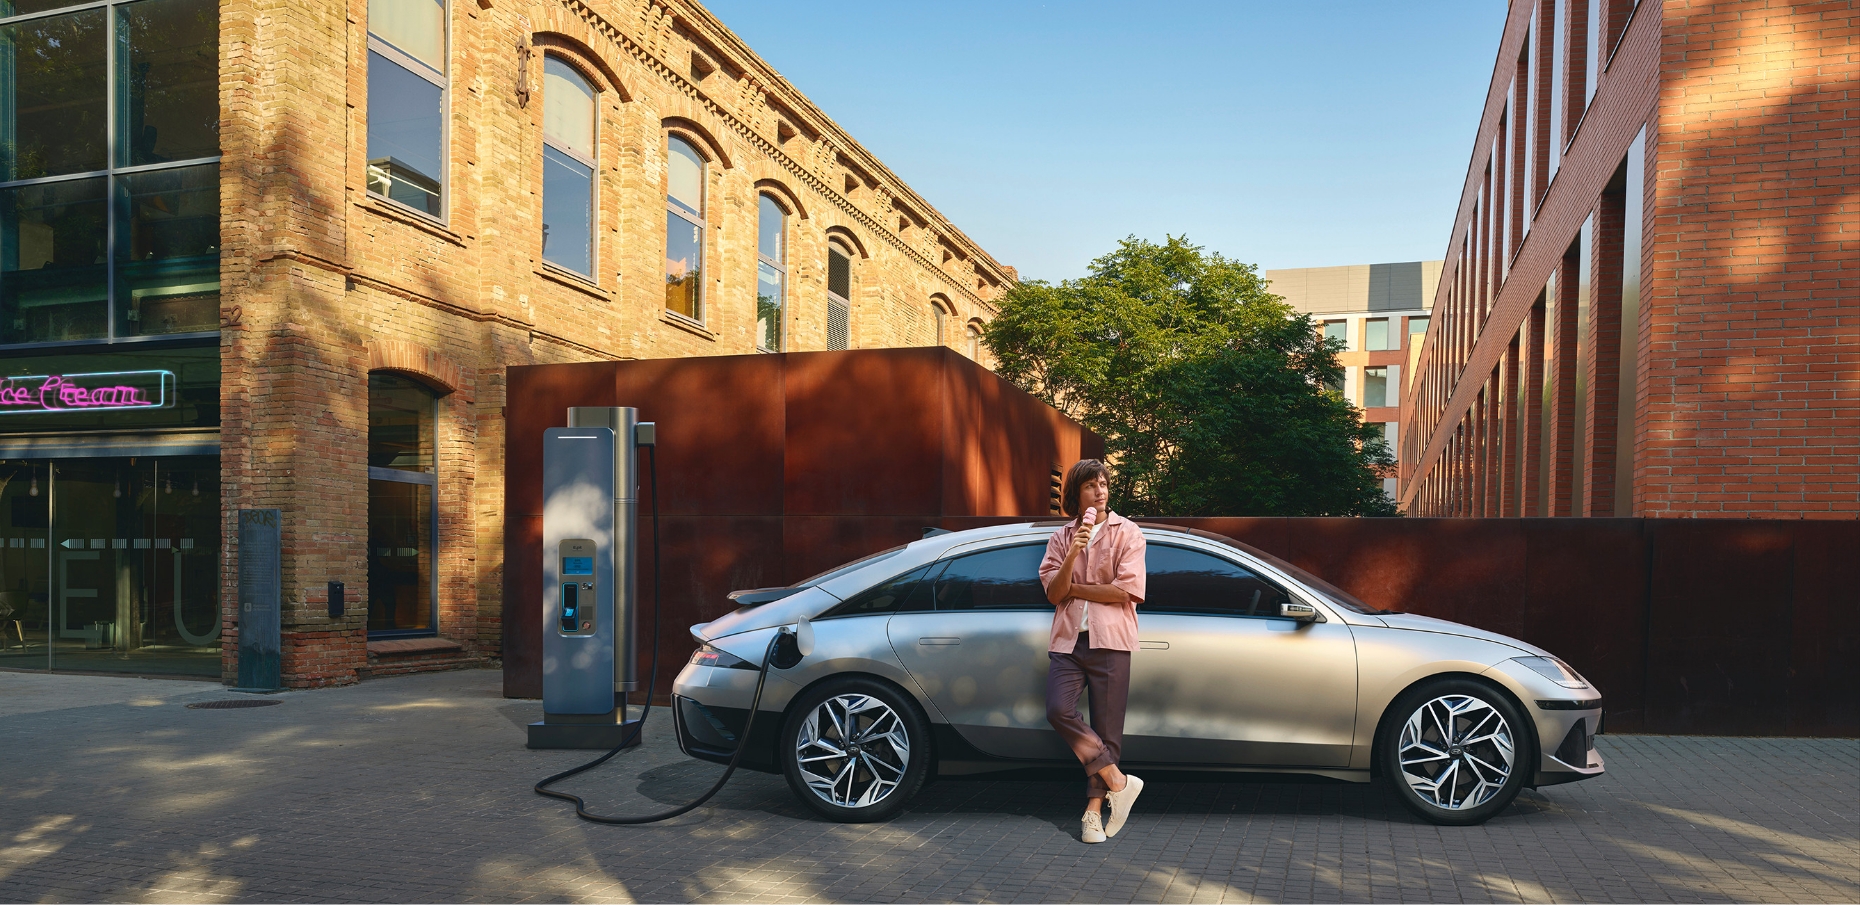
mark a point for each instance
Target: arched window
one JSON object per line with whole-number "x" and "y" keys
{"x": 684, "y": 229}
{"x": 771, "y": 273}
{"x": 569, "y": 114}
{"x": 407, "y": 102}
{"x": 403, "y": 520}
{"x": 839, "y": 295}
{"x": 941, "y": 316}
{"x": 975, "y": 342}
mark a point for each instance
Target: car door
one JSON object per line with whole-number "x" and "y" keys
{"x": 979, "y": 653}
{"x": 1223, "y": 679}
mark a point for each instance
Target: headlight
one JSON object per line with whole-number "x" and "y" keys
{"x": 1550, "y": 668}
{"x": 723, "y": 659}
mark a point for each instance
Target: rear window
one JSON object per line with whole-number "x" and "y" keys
{"x": 859, "y": 563}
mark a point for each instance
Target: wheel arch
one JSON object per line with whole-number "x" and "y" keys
{"x": 1526, "y": 728}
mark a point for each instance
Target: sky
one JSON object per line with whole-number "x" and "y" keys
{"x": 1292, "y": 134}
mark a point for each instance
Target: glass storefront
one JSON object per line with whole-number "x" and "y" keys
{"x": 111, "y": 564}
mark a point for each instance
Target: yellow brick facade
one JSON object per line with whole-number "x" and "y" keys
{"x": 322, "y": 281}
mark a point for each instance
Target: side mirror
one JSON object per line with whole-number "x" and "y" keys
{"x": 1302, "y": 613}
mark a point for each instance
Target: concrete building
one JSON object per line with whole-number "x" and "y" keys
{"x": 259, "y": 254}
{"x": 1649, "y": 301}
{"x": 1380, "y": 312}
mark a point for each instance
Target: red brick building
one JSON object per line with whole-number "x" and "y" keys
{"x": 1651, "y": 298}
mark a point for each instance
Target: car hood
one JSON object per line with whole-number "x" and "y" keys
{"x": 1412, "y": 623}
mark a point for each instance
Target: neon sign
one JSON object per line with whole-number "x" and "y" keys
{"x": 101, "y": 392}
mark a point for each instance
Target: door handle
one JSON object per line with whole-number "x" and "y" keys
{"x": 1153, "y": 645}
{"x": 939, "y": 642}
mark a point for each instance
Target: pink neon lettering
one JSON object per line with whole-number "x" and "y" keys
{"x": 59, "y": 393}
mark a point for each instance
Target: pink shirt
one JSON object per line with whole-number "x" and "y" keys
{"x": 1114, "y": 557}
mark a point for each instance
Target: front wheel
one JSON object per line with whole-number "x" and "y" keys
{"x": 1455, "y": 751}
{"x": 855, "y": 750}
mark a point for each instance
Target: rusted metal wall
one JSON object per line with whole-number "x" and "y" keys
{"x": 773, "y": 467}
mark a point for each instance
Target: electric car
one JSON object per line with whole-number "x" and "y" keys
{"x": 930, "y": 659}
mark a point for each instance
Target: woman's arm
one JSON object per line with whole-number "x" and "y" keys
{"x": 1103, "y": 593}
{"x": 1062, "y": 588}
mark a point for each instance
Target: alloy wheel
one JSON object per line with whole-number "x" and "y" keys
{"x": 853, "y": 750}
{"x": 1456, "y": 752}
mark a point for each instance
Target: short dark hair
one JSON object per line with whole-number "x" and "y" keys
{"x": 1082, "y": 471}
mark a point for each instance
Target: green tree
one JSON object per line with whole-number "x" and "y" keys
{"x": 1212, "y": 395}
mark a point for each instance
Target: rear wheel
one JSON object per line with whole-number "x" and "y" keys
{"x": 1455, "y": 751}
{"x": 855, "y": 749}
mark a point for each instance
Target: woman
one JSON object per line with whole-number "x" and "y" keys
{"x": 1094, "y": 577}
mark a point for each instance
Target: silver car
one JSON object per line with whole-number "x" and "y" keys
{"x": 932, "y": 657}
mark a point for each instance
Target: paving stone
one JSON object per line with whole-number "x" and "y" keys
{"x": 417, "y": 788}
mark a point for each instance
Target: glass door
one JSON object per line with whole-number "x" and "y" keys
{"x": 112, "y": 565}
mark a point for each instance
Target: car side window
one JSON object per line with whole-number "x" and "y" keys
{"x": 1190, "y": 581}
{"x": 901, "y": 594}
{"x": 1005, "y": 578}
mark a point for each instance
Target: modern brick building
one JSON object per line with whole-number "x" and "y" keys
{"x": 262, "y": 254}
{"x": 1380, "y": 311}
{"x": 1651, "y": 298}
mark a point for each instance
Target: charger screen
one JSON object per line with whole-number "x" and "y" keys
{"x": 577, "y": 565}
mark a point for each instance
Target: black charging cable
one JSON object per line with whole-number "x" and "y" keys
{"x": 652, "y": 687}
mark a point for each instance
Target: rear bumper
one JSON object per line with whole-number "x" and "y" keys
{"x": 712, "y": 733}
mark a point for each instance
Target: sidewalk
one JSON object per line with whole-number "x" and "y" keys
{"x": 418, "y": 789}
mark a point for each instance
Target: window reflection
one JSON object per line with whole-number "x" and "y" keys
{"x": 170, "y": 59}
{"x": 168, "y": 255}
{"x": 684, "y": 229}
{"x": 55, "y": 122}
{"x": 771, "y": 275}
{"x": 53, "y": 285}
{"x": 568, "y": 168}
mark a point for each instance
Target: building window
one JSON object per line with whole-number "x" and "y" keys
{"x": 975, "y": 342}
{"x": 941, "y": 317}
{"x": 133, "y": 251}
{"x": 684, "y": 229}
{"x": 1376, "y": 334}
{"x": 1417, "y": 326}
{"x": 771, "y": 273}
{"x": 569, "y": 116}
{"x": 1375, "y": 387}
{"x": 403, "y": 518}
{"x": 407, "y": 103}
{"x": 839, "y": 293}
{"x": 1338, "y": 330}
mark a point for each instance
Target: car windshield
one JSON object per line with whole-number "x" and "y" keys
{"x": 1330, "y": 592}
{"x": 837, "y": 571}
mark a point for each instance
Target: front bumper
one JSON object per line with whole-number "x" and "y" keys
{"x": 1566, "y": 722}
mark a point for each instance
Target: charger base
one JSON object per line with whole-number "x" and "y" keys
{"x": 582, "y": 736}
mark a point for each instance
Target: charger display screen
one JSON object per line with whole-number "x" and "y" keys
{"x": 577, "y": 565}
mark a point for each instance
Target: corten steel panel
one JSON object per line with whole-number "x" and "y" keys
{"x": 523, "y": 575}
{"x": 1586, "y": 601}
{"x": 864, "y": 433}
{"x": 1825, "y": 648}
{"x": 775, "y": 467}
{"x": 720, "y": 433}
{"x": 1719, "y": 627}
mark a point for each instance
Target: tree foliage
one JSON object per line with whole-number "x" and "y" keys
{"x": 1212, "y": 395}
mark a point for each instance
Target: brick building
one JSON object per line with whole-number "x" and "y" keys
{"x": 1380, "y": 312}
{"x": 262, "y": 254}
{"x": 1649, "y": 302}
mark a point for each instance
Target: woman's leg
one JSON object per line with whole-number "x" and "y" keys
{"x": 1107, "y": 675}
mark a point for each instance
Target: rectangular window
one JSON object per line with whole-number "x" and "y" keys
{"x": 1375, "y": 387}
{"x": 1338, "y": 330}
{"x": 406, "y": 103}
{"x": 1417, "y": 326}
{"x": 1376, "y": 334}
{"x": 839, "y": 293}
{"x": 568, "y": 211}
{"x": 684, "y": 264}
{"x": 1592, "y": 49}
{"x": 838, "y": 326}
{"x": 123, "y": 254}
{"x": 771, "y": 274}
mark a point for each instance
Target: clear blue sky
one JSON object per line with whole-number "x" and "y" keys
{"x": 1289, "y": 134}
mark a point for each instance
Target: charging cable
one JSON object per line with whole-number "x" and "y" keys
{"x": 652, "y": 686}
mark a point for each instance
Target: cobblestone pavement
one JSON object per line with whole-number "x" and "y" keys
{"x": 418, "y": 789}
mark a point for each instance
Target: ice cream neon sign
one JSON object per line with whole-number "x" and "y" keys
{"x": 101, "y": 392}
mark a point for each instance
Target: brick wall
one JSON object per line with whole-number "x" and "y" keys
{"x": 323, "y": 282}
{"x": 1746, "y": 350}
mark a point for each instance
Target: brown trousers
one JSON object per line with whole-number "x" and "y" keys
{"x": 1107, "y": 674}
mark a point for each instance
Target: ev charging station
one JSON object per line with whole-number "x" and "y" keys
{"x": 590, "y": 539}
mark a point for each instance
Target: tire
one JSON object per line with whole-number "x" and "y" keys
{"x": 889, "y": 751}
{"x": 1456, "y": 751}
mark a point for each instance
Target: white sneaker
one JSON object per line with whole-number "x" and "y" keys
{"x": 1120, "y": 803}
{"x": 1093, "y": 830}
